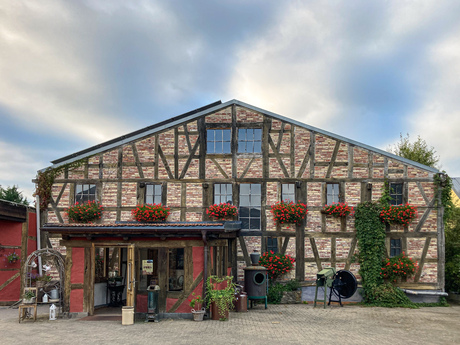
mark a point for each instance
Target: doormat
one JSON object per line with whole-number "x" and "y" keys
{"x": 101, "y": 318}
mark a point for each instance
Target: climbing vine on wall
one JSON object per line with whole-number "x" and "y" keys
{"x": 45, "y": 180}
{"x": 370, "y": 232}
{"x": 443, "y": 183}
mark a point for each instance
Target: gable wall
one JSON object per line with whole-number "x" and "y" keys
{"x": 177, "y": 159}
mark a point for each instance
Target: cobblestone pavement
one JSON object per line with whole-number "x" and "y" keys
{"x": 279, "y": 324}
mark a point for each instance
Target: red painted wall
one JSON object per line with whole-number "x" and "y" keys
{"x": 11, "y": 233}
{"x": 77, "y": 276}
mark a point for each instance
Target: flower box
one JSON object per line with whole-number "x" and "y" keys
{"x": 398, "y": 214}
{"x": 222, "y": 211}
{"x": 151, "y": 213}
{"x": 288, "y": 212}
{"x": 84, "y": 213}
{"x": 340, "y": 209}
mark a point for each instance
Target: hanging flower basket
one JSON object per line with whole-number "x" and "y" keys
{"x": 398, "y": 214}
{"x": 277, "y": 264}
{"x": 288, "y": 212}
{"x": 84, "y": 213}
{"x": 151, "y": 213}
{"x": 12, "y": 257}
{"x": 222, "y": 211}
{"x": 340, "y": 209}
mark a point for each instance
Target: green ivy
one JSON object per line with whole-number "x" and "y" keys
{"x": 370, "y": 232}
{"x": 446, "y": 195}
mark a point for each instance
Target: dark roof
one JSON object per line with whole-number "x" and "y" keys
{"x": 456, "y": 185}
{"x": 136, "y": 133}
{"x": 216, "y": 106}
{"x": 136, "y": 228}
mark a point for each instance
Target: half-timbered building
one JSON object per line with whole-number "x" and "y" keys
{"x": 230, "y": 152}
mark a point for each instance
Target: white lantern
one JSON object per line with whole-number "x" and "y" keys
{"x": 53, "y": 312}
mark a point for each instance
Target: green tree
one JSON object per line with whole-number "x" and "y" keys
{"x": 453, "y": 251}
{"x": 417, "y": 151}
{"x": 13, "y": 194}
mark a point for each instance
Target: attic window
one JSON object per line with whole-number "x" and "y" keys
{"x": 249, "y": 140}
{"x": 218, "y": 141}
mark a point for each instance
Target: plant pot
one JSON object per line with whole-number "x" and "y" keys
{"x": 28, "y": 300}
{"x": 198, "y": 314}
{"x": 215, "y": 315}
{"x": 255, "y": 258}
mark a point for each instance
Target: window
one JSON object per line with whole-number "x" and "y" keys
{"x": 250, "y": 206}
{"x": 176, "y": 269}
{"x": 272, "y": 244}
{"x": 396, "y": 193}
{"x": 85, "y": 193}
{"x": 288, "y": 192}
{"x": 249, "y": 140}
{"x": 332, "y": 193}
{"x": 223, "y": 193}
{"x": 153, "y": 194}
{"x": 395, "y": 247}
{"x": 218, "y": 141}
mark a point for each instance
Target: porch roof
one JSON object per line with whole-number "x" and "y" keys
{"x": 144, "y": 229}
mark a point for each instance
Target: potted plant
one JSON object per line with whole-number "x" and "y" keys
{"x": 197, "y": 310}
{"x": 340, "y": 209}
{"x": 277, "y": 264}
{"x": 222, "y": 211}
{"x": 28, "y": 297}
{"x": 84, "y": 213}
{"x": 41, "y": 281}
{"x": 12, "y": 257}
{"x": 220, "y": 293}
{"x": 150, "y": 213}
{"x": 288, "y": 212}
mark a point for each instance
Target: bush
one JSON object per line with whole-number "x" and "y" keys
{"x": 84, "y": 213}
{"x": 275, "y": 291}
{"x": 387, "y": 295}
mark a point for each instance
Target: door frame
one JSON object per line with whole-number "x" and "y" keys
{"x": 130, "y": 272}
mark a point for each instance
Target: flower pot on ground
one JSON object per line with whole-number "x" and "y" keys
{"x": 197, "y": 311}
{"x": 287, "y": 212}
{"x": 222, "y": 211}
{"x": 151, "y": 213}
{"x": 84, "y": 213}
{"x": 221, "y": 293}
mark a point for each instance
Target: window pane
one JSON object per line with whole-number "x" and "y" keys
{"x": 211, "y": 135}
{"x": 176, "y": 269}
{"x": 210, "y": 147}
{"x": 249, "y": 146}
{"x": 244, "y": 200}
{"x": 226, "y": 147}
{"x": 227, "y": 135}
{"x": 255, "y": 200}
{"x": 254, "y": 212}
{"x": 245, "y": 188}
{"x": 255, "y": 188}
{"x": 254, "y": 224}
{"x": 257, "y": 134}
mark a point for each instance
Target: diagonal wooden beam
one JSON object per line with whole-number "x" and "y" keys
{"x": 333, "y": 158}
{"x": 425, "y": 215}
{"x": 187, "y": 138}
{"x": 219, "y": 167}
{"x": 304, "y": 163}
{"x": 245, "y": 251}
{"x": 137, "y": 160}
{"x": 419, "y": 185}
{"x": 189, "y": 159}
{"x": 165, "y": 162}
{"x": 278, "y": 157}
{"x": 247, "y": 168}
{"x": 280, "y": 137}
{"x": 418, "y": 274}
{"x": 186, "y": 293}
{"x": 314, "y": 248}
{"x": 285, "y": 244}
{"x": 351, "y": 253}
{"x": 5, "y": 284}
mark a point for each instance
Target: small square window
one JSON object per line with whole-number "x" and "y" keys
{"x": 250, "y": 140}
{"x": 85, "y": 193}
{"x": 153, "y": 193}
{"x": 332, "y": 193}
{"x": 395, "y": 247}
{"x": 288, "y": 192}
{"x": 218, "y": 141}
{"x": 223, "y": 193}
{"x": 396, "y": 193}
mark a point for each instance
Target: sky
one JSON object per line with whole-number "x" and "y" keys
{"x": 77, "y": 73}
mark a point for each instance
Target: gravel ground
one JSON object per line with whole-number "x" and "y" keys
{"x": 279, "y": 324}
